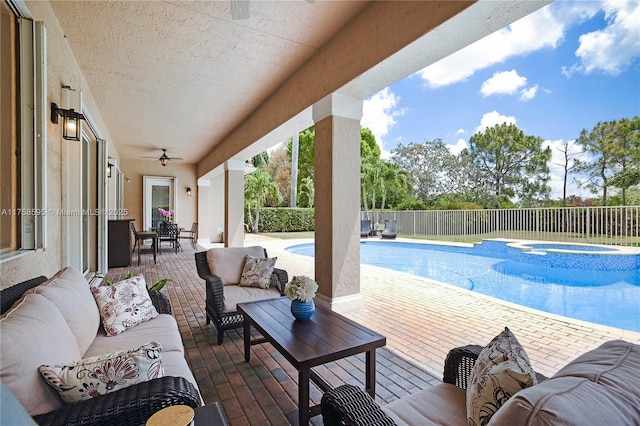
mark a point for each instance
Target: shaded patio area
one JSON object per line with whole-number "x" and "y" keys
{"x": 422, "y": 320}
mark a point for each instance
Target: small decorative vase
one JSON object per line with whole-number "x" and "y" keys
{"x": 302, "y": 311}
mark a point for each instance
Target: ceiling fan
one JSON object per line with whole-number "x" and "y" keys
{"x": 164, "y": 158}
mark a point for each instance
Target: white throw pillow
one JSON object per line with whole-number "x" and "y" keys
{"x": 501, "y": 370}
{"x": 124, "y": 304}
{"x": 103, "y": 374}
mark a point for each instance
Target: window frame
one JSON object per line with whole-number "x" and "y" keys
{"x": 32, "y": 79}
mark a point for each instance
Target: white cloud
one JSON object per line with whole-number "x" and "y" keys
{"x": 379, "y": 113}
{"x": 529, "y": 93}
{"x": 522, "y": 37}
{"x": 460, "y": 132}
{"x": 503, "y": 83}
{"x": 492, "y": 118}
{"x": 458, "y": 147}
{"x": 613, "y": 48}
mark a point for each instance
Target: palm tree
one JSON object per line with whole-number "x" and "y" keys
{"x": 258, "y": 186}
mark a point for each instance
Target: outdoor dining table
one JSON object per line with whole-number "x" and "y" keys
{"x": 177, "y": 241}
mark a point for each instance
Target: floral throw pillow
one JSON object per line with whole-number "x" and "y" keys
{"x": 501, "y": 370}
{"x": 257, "y": 272}
{"x": 124, "y": 305}
{"x": 103, "y": 374}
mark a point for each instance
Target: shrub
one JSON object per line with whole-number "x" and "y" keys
{"x": 286, "y": 219}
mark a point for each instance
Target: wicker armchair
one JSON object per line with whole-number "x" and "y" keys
{"x": 215, "y": 296}
{"x": 129, "y": 406}
{"x": 349, "y": 405}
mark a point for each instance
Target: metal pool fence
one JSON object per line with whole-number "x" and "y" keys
{"x": 596, "y": 225}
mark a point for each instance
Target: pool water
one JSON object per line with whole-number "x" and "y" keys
{"x": 607, "y": 297}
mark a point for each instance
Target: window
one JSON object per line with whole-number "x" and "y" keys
{"x": 22, "y": 131}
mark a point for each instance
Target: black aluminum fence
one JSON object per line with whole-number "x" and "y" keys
{"x": 597, "y": 225}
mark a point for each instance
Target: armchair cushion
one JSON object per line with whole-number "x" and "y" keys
{"x": 444, "y": 404}
{"x": 501, "y": 370}
{"x": 228, "y": 262}
{"x": 236, "y": 294}
{"x": 257, "y": 272}
{"x": 99, "y": 375}
{"x": 124, "y": 305}
{"x": 44, "y": 337}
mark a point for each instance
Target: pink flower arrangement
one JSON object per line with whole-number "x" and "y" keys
{"x": 166, "y": 213}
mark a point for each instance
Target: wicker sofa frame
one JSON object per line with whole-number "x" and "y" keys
{"x": 129, "y": 406}
{"x": 348, "y": 405}
{"x": 215, "y": 297}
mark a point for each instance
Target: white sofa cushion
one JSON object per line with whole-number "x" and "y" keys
{"x": 443, "y": 404}
{"x": 70, "y": 292}
{"x": 162, "y": 329}
{"x": 103, "y": 374}
{"x": 228, "y": 262}
{"x": 600, "y": 387}
{"x": 235, "y": 294}
{"x": 34, "y": 333}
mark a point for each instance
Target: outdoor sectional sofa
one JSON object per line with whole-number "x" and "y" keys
{"x": 57, "y": 322}
{"x": 600, "y": 387}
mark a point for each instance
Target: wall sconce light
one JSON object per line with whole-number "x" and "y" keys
{"x": 109, "y": 168}
{"x": 70, "y": 121}
{"x": 188, "y": 192}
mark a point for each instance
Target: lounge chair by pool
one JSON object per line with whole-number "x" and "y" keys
{"x": 390, "y": 229}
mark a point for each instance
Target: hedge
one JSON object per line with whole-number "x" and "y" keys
{"x": 286, "y": 219}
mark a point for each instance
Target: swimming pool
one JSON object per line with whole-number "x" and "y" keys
{"x": 596, "y": 287}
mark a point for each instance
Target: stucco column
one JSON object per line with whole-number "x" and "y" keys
{"x": 234, "y": 203}
{"x": 337, "y": 201}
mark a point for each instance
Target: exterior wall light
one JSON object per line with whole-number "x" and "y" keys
{"x": 70, "y": 121}
{"x": 188, "y": 192}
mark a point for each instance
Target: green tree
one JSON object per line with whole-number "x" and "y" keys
{"x": 368, "y": 145}
{"x": 258, "y": 187}
{"x": 432, "y": 168}
{"x": 510, "y": 164}
{"x": 627, "y": 155}
{"x": 308, "y": 189}
{"x": 306, "y": 166}
{"x": 610, "y": 150}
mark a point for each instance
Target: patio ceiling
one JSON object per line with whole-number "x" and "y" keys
{"x": 181, "y": 75}
{"x": 185, "y": 75}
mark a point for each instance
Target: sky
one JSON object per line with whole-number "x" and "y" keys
{"x": 553, "y": 73}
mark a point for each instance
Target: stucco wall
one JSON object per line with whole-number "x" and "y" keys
{"x": 61, "y": 69}
{"x": 185, "y": 174}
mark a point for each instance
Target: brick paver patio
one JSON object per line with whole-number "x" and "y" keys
{"x": 421, "y": 319}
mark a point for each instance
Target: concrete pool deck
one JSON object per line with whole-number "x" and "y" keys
{"x": 423, "y": 319}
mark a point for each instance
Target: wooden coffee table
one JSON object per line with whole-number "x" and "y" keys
{"x": 326, "y": 337}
